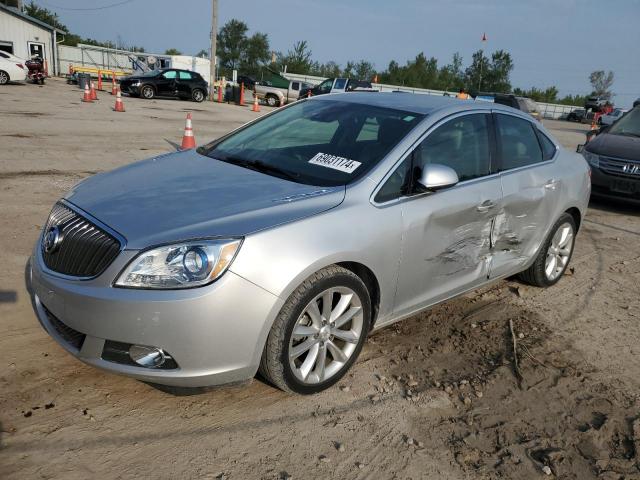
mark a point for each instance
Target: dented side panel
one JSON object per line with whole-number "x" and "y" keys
{"x": 447, "y": 242}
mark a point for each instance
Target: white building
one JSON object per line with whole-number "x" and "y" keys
{"x": 25, "y": 36}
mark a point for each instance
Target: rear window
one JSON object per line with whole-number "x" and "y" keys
{"x": 518, "y": 141}
{"x": 324, "y": 143}
{"x": 184, "y": 76}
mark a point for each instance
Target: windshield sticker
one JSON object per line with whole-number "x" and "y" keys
{"x": 337, "y": 163}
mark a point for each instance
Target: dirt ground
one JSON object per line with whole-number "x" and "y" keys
{"x": 435, "y": 396}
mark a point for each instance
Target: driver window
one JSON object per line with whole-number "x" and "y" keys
{"x": 326, "y": 85}
{"x": 170, "y": 75}
{"x": 461, "y": 143}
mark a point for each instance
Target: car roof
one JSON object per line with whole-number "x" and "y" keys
{"x": 412, "y": 102}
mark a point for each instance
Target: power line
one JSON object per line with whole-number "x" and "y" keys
{"x": 104, "y": 7}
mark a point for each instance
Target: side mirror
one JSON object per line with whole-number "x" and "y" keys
{"x": 436, "y": 177}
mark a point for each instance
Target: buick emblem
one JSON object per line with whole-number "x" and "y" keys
{"x": 631, "y": 169}
{"x": 52, "y": 240}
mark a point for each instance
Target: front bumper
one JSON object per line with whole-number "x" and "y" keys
{"x": 616, "y": 187}
{"x": 215, "y": 333}
{"x": 130, "y": 89}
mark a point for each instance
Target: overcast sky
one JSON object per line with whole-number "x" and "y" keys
{"x": 552, "y": 42}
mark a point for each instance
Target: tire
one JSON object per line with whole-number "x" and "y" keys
{"x": 197, "y": 95}
{"x": 343, "y": 287}
{"x": 4, "y": 77}
{"x": 272, "y": 100}
{"x": 537, "y": 274}
{"x": 147, "y": 92}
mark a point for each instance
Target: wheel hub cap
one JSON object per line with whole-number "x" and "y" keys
{"x": 559, "y": 252}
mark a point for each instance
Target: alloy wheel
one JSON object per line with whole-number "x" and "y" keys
{"x": 198, "y": 96}
{"x": 325, "y": 335}
{"x": 147, "y": 92}
{"x": 4, "y": 78}
{"x": 559, "y": 252}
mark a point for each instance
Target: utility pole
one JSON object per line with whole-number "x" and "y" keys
{"x": 212, "y": 53}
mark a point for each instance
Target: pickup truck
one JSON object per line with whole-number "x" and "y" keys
{"x": 274, "y": 96}
{"x": 338, "y": 85}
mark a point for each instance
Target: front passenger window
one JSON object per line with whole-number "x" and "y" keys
{"x": 462, "y": 144}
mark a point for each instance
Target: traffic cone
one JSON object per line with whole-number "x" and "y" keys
{"x": 87, "y": 94}
{"x": 256, "y": 105}
{"x": 100, "y": 80}
{"x": 114, "y": 88}
{"x": 220, "y": 92}
{"x": 188, "y": 140}
{"x": 93, "y": 93}
{"x": 242, "y": 94}
{"x": 119, "y": 104}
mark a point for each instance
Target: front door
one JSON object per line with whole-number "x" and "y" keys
{"x": 531, "y": 190}
{"x": 36, "y": 49}
{"x": 166, "y": 84}
{"x": 446, "y": 245}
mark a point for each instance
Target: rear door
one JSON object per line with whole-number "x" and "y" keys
{"x": 530, "y": 191}
{"x": 184, "y": 83}
{"x": 446, "y": 245}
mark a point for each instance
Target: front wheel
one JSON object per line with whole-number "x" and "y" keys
{"x": 554, "y": 256}
{"x": 319, "y": 332}
{"x": 197, "y": 95}
{"x": 147, "y": 92}
{"x": 272, "y": 100}
{"x": 4, "y": 77}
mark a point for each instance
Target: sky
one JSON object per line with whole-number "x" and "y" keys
{"x": 552, "y": 42}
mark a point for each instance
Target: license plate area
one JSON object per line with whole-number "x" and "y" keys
{"x": 625, "y": 186}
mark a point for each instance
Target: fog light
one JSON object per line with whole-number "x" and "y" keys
{"x": 147, "y": 356}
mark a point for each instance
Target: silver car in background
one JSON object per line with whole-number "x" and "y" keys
{"x": 280, "y": 246}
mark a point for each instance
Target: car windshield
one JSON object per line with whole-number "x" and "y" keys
{"x": 324, "y": 143}
{"x": 151, "y": 73}
{"x": 627, "y": 125}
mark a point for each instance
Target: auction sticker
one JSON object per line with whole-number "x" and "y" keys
{"x": 337, "y": 163}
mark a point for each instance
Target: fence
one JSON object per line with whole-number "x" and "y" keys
{"x": 548, "y": 110}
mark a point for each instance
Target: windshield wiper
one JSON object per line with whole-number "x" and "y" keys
{"x": 262, "y": 167}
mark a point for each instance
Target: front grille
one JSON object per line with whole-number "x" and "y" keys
{"x": 71, "y": 336}
{"x": 84, "y": 249}
{"x": 620, "y": 167}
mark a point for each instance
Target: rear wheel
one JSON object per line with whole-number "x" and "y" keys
{"x": 147, "y": 92}
{"x": 319, "y": 332}
{"x": 554, "y": 256}
{"x": 197, "y": 95}
{"x": 4, "y": 77}
{"x": 272, "y": 100}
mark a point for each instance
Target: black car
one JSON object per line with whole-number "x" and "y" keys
{"x": 523, "y": 104}
{"x": 577, "y": 115}
{"x": 614, "y": 156}
{"x": 166, "y": 82}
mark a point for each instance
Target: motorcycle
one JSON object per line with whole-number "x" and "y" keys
{"x": 36, "y": 72}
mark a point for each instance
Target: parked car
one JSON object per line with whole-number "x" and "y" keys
{"x": 12, "y": 57}
{"x": 614, "y": 156}
{"x": 577, "y": 115}
{"x": 610, "y": 118}
{"x": 636, "y": 102}
{"x": 281, "y": 245}
{"x": 167, "y": 82}
{"x": 274, "y": 96}
{"x": 523, "y": 104}
{"x": 12, "y": 70}
{"x": 337, "y": 85}
{"x": 595, "y": 103}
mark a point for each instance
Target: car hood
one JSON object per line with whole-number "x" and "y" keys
{"x": 186, "y": 195}
{"x": 619, "y": 146}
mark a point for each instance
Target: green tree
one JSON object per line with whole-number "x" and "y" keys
{"x": 45, "y": 16}
{"x": 489, "y": 73}
{"x": 601, "y": 83}
{"x": 255, "y": 53}
{"x": 298, "y": 59}
{"x": 231, "y": 40}
{"x": 203, "y": 53}
{"x": 172, "y": 51}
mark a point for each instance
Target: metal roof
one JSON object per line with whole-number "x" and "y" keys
{"x": 27, "y": 18}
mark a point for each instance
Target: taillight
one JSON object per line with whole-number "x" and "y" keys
{"x": 20, "y": 65}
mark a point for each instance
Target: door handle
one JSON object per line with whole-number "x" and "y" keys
{"x": 485, "y": 206}
{"x": 551, "y": 184}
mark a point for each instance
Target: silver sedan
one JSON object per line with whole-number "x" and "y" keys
{"x": 282, "y": 245}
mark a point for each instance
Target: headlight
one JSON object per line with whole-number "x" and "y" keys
{"x": 183, "y": 265}
{"x": 135, "y": 83}
{"x": 591, "y": 158}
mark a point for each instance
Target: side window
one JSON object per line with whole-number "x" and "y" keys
{"x": 397, "y": 184}
{"x": 295, "y": 86}
{"x": 169, "y": 74}
{"x": 462, "y": 144}
{"x": 518, "y": 141}
{"x": 184, "y": 76}
{"x": 340, "y": 83}
{"x": 548, "y": 147}
{"x": 326, "y": 85}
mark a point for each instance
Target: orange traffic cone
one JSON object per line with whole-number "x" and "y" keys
{"x": 87, "y": 94}
{"x": 119, "y": 104}
{"x": 242, "y": 94}
{"x": 93, "y": 93}
{"x": 114, "y": 89}
{"x": 256, "y": 105}
{"x": 220, "y": 92}
{"x": 188, "y": 140}
{"x": 100, "y": 80}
